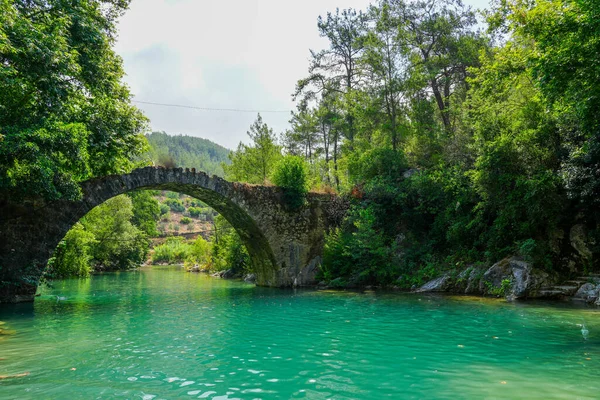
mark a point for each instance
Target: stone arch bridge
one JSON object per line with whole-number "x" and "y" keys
{"x": 285, "y": 246}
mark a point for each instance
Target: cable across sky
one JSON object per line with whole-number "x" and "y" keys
{"x": 209, "y": 108}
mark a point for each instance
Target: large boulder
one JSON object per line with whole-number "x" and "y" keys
{"x": 588, "y": 292}
{"x": 514, "y": 278}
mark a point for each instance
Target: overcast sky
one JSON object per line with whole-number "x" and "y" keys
{"x": 243, "y": 54}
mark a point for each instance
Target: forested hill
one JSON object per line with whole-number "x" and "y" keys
{"x": 187, "y": 152}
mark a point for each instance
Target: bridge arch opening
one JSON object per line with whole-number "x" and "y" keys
{"x": 256, "y": 244}
{"x": 252, "y": 238}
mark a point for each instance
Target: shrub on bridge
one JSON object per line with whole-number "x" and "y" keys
{"x": 291, "y": 174}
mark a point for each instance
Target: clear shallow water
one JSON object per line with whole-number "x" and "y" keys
{"x": 166, "y": 334}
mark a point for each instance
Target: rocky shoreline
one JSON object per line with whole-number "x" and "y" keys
{"x": 512, "y": 278}
{"x": 515, "y": 279}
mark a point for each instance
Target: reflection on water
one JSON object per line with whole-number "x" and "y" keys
{"x": 163, "y": 333}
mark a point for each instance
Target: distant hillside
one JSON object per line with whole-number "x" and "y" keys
{"x": 187, "y": 152}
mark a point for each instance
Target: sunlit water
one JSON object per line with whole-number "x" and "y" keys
{"x": 163, "y": 333}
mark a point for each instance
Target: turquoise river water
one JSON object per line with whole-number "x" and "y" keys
{"x": 162, "y": 333}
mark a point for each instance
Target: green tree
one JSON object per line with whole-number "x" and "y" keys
{"x": 65, "y": 114}
{"x": 146, "y": 211}
{"x": 338, "y": 67}
{"x": 228, "y": 250}
{"x": 118, "y": 243}
{"x": 442, "y": 47}
{"x": 386, "y": 58}
{"x": 72, "y": 256}
{"x": 253, "y": 163}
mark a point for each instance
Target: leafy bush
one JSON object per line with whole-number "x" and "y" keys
{"x": 186, "y": 220}
{"x": 173, "y": 250}
{"x": 200, "y": 253}
{"x": 377, "y": 163}
{"x": 72, "y": 256}
{"x": 360, "y": 254}
{"x": 164, "y": 208}
{"x": 196, "y": 211}
{"x": 229, "y": 252}
{"x": 291, "y": 174}
{"x": 175, "y": 205}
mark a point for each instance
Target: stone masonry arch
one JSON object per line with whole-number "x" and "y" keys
{"x": 284, "y": 245}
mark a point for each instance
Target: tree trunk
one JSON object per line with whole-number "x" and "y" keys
{"x": 441, "y": 105}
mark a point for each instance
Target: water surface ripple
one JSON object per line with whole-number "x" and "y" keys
{"x": 162, "y": 333}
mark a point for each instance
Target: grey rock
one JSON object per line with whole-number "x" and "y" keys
{"x": 588, "y": 292}
{"x": 440, "y": 284}
{"x": 525, "y": 281}
{"x": 228, "y": 274}
{"x": 250, "y": 278}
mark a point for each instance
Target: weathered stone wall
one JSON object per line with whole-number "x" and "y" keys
{"x": 285, "y": 246}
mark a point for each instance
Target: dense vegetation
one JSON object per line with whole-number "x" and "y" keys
{"x": 112, "y": 236}
{"x": 456, "y": 146}
{"x": 65, "y": 114}
{"x": 187, "y": 152}
{"x": 225, "y": 250}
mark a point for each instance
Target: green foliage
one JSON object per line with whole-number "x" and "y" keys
{"x": 200, "y": 253}
{"x": 65, "y": 114}
{"x": 105, "y": 239}
{"x": 174, "y": 204}
{"x": 291, "y": 175}
{"x": 146, "y": 211}
{"x": 119, "y": 244}
{"x": 173, "y": 251}
{"x": 187, "y": 152}
{"x": 195, "y": 211}
{"x": 186, "y": 220}
{"x": 228, "y": 251}
{"x": 499, "y": 291}
{"x": 377, "y": 163}
{"x": 360, "y": 253}
{"x": 164, "y": 208}
{"x": 254, "y": 163}
{"x": 72, "y": 256}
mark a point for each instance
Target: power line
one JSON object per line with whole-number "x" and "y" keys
{"x": 209, "y": 108}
